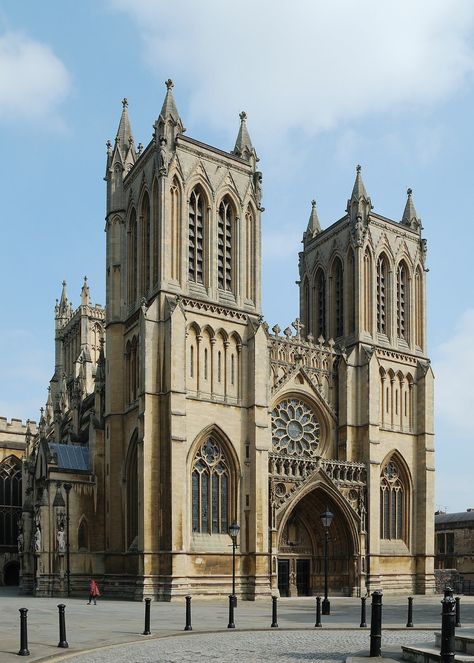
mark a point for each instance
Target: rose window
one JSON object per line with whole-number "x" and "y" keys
{"x": 295, "y": 429}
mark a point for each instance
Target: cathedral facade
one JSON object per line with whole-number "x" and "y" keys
{"x": 175, "y": 411}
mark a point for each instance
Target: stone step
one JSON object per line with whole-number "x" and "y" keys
{"x": 423, "y": 654}
{"x": 463, "y": 643}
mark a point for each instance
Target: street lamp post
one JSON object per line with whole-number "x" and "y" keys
{"x": 67, "y": 488}
{"x": 233, "y": 533}
{"x": 326, "y": 519}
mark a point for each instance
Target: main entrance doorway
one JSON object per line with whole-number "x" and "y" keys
{"x": 301, "y": 550}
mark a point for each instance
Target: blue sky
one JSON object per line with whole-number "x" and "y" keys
{"x": 325, "y": 85}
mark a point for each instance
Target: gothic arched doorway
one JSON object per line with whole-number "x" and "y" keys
{"x": 301, "y": 538}
{"x": 11, "y": 574}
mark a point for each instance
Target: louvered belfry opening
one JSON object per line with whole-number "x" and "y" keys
{"x": 224, "y": 245}
{"x": 196, "y": 236}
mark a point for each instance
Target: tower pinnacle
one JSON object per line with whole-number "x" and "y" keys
{"x": 359, "y": 204}
{"x": 243, "y": 145}
{"x": 314, "y": 226}
{"x": 410, "y": 217}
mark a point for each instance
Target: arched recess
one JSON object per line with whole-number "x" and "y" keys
{"x": 10, "y": 500}
{"x": 403, "y": 301}
{"x": 251, "y": 248}
{"x": 145, "y": 221}
{"x": 383, "y": 295}
{"x": 131, "y": 482}
{"x": 306, "y": 307}
{"x": 234, "y": 350}
{"x": 214, "y": 474}
{"x": 83, "y": 535}
{"x": 193, "y": 339}
{"x": 227, "y": 244}
{"x": 304, "y": 559}
{"x": 350, "y": 291}
{"x": 175, "y": 230}
{"x": 419, "y": 308}
{"x": 368, "y": 297}
{"x": 156, "y": 231}
{"x": 319, "y": 304}
{"x": 337, "y": 298}
{"x": 132, "y": 262}
{"x": 395, "y": 498}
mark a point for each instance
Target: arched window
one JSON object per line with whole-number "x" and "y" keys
{"x": 393, "y": 503}
{"x": 367, "y": 292}
{"x": 132, "y": 492}
{"x": 128, "y": 382}
{"x": 306, "y": 309}
{"x": 146, "y": 233}
{"x": 175, "y": 231}
{"x": 382, "y": 295}
{"x": 156, "y": 234}
{"x": 419, "y": 308}
{"x": 210, "y": 489}
{"x": 83, "y": 536}
{"x": 350, "y": 292}
{"x": 196, "y": 236}
{"x": 134, "y": 370}
{"x": 250, "y": 258}
{"x": 403, "y": 305}
{"x": 10, "y": 500}
{"x": 337, "y": 299}
{"x": 132, "y": 258}
{"x": 225, "y": 249}
{"x": 320, "y": 299}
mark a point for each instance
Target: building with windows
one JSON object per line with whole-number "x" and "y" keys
{"x": 454, "y": 561}
{"x": 14, "y": 436}
{"x": 175, "y": 410}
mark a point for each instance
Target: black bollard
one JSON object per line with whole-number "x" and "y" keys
{"x": 448, "y": 620}
{"x": 458, "y": 612}
{"x": 363, "y": 622}
{"x": 188, "y": 626}
{"x": 410, "y": 612}
{"x": 232, "y": 601}
{"x": 147, "y": 617}
{"x": 24, "y": 651}
{"x": 448, "y": 592}
{"x": 376, "y": 625}
{"x": 318, "y": 612}
{"x": 274, "y": 623}
{"x": 62, "y": 627}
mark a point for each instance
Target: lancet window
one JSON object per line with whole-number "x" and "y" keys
{"x": 156, "y": 233}
{"x": 225, "y": 230}
{"x": 210, "y": 493}
{"x": 382, "y": 295}
{"x": 196, "y": 236}
{"x": 10, "y": 500}
{"x": 146, "y": 234}
{"x": 250, "y": 258}
{"x": 367, "y": 292}
{"x": 402, "y": 301}
{"x": 393, "y": 500}
{"x": 320, "y": 287}
{"x": 338, "y": 298}
{"x": 132, "y": 258}
{"x": 419, "y": 308}
{"x": 175, "y": 230}
{"x": 132, "y": 492}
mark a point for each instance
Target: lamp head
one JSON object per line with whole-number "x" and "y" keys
{"x": 326, "y": 518}
{"x": 234, "y": 530}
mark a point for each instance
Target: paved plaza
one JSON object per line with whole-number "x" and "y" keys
{"x": 111, "y": 631}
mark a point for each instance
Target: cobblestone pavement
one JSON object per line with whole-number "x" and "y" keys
{"x": 253, "y": 647}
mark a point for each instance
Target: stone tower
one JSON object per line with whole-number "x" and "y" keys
{"x": 187, "y": 350}
{"x": 362, "y": 285}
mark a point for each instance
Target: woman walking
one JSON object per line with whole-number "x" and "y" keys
{"x": 93, "y": 591}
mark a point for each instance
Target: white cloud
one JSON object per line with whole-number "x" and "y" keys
{"x": 307, "y": 65}
{"x": 454, "y": 367}
{"x": 33, "y": 80}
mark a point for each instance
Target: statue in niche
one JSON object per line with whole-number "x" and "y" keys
{"x": 163, "y": 156}
{"x": 61, "y": 541}
{"x": 37, "y": 541}
{"x": 20, "y": 542}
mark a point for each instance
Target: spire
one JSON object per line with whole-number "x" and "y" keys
{"x": 85, "y": 298}
{"x": 359, "y": 204}
{"x": 169, "y": 116}
{"x": 243, "y": 145}
{"x": 124, "y": 131}
{"x": 63, "y": 308}
{"x": 410, "y": 217}
{"x": 314, "y": 226}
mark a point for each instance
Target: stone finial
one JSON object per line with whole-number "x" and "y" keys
{"x": 169, "y": 84}
{"x": 243, "y": 116}
{"x": 125, "y": 102}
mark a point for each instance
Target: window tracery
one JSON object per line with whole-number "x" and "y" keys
{"x": 382, "y": 295}
{"x": 402, "y": 302}
{"x": 320, "y": 327}
{"x": 295, "y": 429}
{"x": 10, "y": 500}
{"x": 225, "y": 229}
{"x": 392, "y": 503}
{"x": 196, "y": 236}
{"x": 210, "y": 489}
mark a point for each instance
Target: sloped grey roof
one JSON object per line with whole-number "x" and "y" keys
{"x": 70, "y": 456}
{"x": 461, "y": 517}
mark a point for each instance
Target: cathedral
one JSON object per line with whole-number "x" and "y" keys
{"x": 174, "y": 411}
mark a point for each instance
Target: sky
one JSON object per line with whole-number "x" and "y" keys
{"x": 326, "y": 85}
